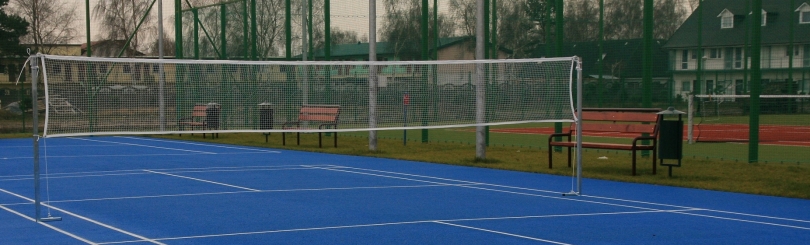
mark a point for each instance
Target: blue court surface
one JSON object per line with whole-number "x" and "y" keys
{"x": 134, "y": 190}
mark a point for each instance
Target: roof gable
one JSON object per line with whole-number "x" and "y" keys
{"x": 780, "y": 18}
{"x": 803, "y": 7}
{"x": 725, "y": 12}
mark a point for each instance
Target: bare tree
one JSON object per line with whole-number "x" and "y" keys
{"x": 581, "y": 20}
{"x": 168, "y": 45}
{"x": 119, "y": 19}
{"x": 51, "y": 22}
{"x": 518, "y": 23}
{"x": 624, "y": 18}
{"x": 402, "y": 27}
{"x": 668, "y": 16}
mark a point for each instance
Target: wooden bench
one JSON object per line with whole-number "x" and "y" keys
{"x": 325, "y": 116}
{"x": 640, "y": 121}
{"x": 197, "y": 120}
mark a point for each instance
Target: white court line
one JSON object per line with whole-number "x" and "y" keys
{"x": 201, "y": 180}
{"x": 142, "y": 238}
{"x": 502, "y": 233}
{"x": 238, "y": 192}
{"x": 59, "y": 146}
{"x": 613, "y": 199}
{"x": 199, "y": 144}
{"x": 140, "y": 155}
{"x": 139, "y": 171}
{"x": 744, "y": 220}
{"x": 709, "y": 210}
{"x": 394, "y": 223}
{"x": 494, "y": 190}
{"x": 49, "y": 226}
{"x": 149, "y": 146}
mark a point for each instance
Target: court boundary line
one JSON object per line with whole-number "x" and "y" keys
{"x": 613, "y": 199}
{"x": 148, "y": 146}
{"x": 503, "y": 191}
{"x": 501, "y": 233}
{"x": 201, "y": 180}
{"x": 400, "y": 223}
{"x": 140, "y": 172}
{"x": 281, "y": 167}
{"x": 198, "y": 144}
{"x": 146, "y": 155}
{"x": 743, "y": 220}
{"x": 142, "y": 238}
{"x": 74, "y": 236}
{"x": 237, "y": 192}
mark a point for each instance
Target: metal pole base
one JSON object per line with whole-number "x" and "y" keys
{"x": 572, "y": 193}
{"x": 50, "y": 219}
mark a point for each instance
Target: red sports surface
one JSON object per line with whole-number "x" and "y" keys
{"x": 768, "y": 134}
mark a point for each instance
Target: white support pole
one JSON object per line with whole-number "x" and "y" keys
{"x": 690, "y": 118}
{"x": 480, "y": 90}
{"x": 372, "y": 75}
{"x": 304, "y": 53}
{"x": 579, "y": 125}
{"x": 35, "y": 130}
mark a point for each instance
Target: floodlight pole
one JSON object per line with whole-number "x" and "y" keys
{"x": 480, "y": 92}
{"x": 372, "y": 74}
{"x": 161, "y": 79}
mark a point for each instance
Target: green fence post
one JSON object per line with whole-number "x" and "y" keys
{"x": 425, "y": 47}
{"x": 558, "y": 33}
{"x": 756, "y": 78}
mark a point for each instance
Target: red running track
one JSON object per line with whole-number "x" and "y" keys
{"x": 768, "y": 134}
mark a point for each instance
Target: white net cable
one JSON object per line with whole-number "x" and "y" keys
{"x": 106, "y": 96}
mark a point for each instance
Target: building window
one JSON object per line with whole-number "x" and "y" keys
{"x": 686, "y": 86}
{"x": 127, "y": 69}
{"x": 715, "y": 53}
{"x": 796, "y": 51}
{"x": 805, "y": 17}
{"x": 685, "y": 59}
{"x": 804, "y": 13}
{"x": 102, "y": 68}
{"x": 766, "y": 57}
{"x": 806, "y": 56}
{"x": 738, "y": 58}
{"x": 694, "y": 54}
{"x": 68, "y": 73}
{"x": 721, "y": 87}
{"x": 726, "y": 19}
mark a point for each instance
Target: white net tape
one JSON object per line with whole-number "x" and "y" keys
{"x": 105, "y": 96}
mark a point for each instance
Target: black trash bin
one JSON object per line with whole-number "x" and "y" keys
{"x": 212, "y": 115}
{"x": 265, "y": 118}
{"x": 670, "y": 138}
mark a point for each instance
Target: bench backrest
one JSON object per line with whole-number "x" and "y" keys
{"x": 623, "y": 122}
{"x": 321, "y": 113}
{"x": 198, "y": 111}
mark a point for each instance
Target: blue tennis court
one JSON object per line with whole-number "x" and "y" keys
{"x": 136, "y": 190}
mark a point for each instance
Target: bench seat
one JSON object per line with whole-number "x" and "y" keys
{"x": 607, "y": 146}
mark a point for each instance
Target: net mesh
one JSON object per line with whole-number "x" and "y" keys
{"x": 725, "y": 118}
{"x": 98, "y": 96}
